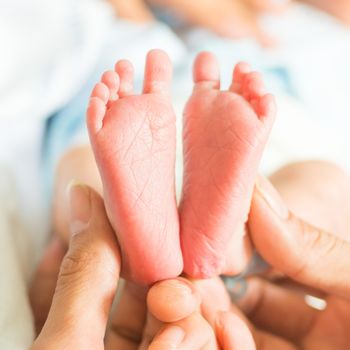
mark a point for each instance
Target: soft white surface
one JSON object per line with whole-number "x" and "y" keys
{"x": 49, "y": 46}
{"x": 47, "y": 50}
{"x": 16, "y": 324}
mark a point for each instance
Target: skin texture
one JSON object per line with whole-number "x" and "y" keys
{"x": 322, "y": 200}
{"x": 224, "y": 136}
{"x": 133, "y": 139}
{"x": 73, "y": 293}
{"x": 281, "y": 237}
{"x": 276, "y": 314}
{"x": 309, "y": 255}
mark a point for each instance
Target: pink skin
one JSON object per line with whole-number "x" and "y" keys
{"x": 224, "y": 136}
{"x": 133, "y": 138}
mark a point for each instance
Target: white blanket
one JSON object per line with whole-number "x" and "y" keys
{"x": 16, "y": 324}
{"x": 47, "y": 51}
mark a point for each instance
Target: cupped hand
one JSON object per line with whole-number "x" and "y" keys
{"x": 88, "y": 277}
{"x": 276, "y": 317}
{"x": 317, "y": 260}
{"x": 72, "y": 295}
{"x": 285, "y": 314}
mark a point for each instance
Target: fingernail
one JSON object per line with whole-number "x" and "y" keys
{"x": 178, "y": 287}
{"x": 171, "y": 337}
{"x": 80, "y": 207}
{"x": 271, "y": 197}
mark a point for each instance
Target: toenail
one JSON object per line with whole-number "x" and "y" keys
{"x": 179, "y": 287}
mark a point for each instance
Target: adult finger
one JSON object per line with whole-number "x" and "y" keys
{"x": 277, "y": 310}
{"x": 128, "y": 319}
{"x": 190, "y": 333}
{"x": 88, "y": 278}
{"x": 232, "y": 329}
{"x": 235, "y": 332}
{"x": 177, "y": 304}
{"x": 185, "y": 300}
{"x": 305, "y": 253}
{"x": 268, "y": 341}
{"x": 168, "y": 302}
{"x": 44, "y": 281}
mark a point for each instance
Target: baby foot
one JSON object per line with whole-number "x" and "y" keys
{"x": 133, "y": 138}
{"x": 224, "y": 136}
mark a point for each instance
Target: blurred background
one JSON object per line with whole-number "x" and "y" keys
{"x": 52, "y": 53}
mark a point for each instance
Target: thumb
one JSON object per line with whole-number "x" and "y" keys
{"x": 87, "y": 280}
{"x": 305, "y": 253}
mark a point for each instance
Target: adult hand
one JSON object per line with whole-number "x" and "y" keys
{"x": 309, "y": 256}
{"x": 305, "y": 253}
{"x": 87, "y": 279}
{"x": 86, "y": 286}
{"x": 282, "y": 316}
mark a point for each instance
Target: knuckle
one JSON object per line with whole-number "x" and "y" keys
{"x": 75, "y": 263}
{"x": 80, "y": 257}
{"x": 316, "y": 245}
{"x": 86, "y": 257}
{"x": 318, "y": 242}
